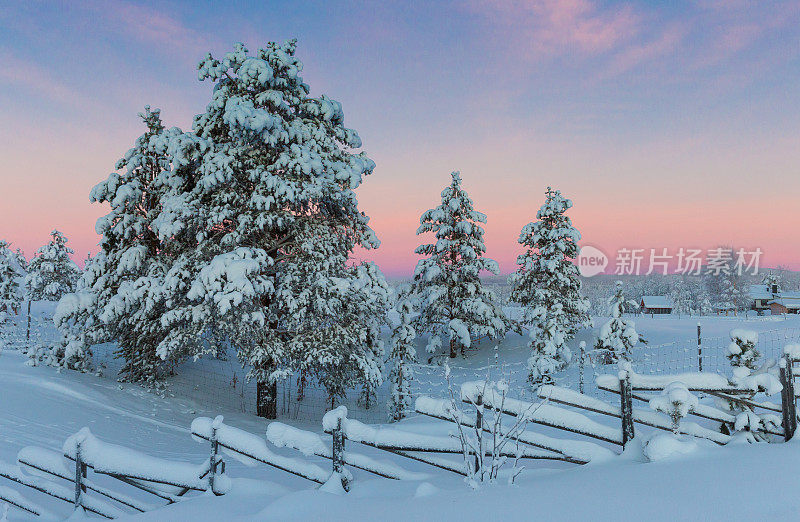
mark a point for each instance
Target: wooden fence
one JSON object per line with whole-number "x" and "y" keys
{"x": 66, "y": 476}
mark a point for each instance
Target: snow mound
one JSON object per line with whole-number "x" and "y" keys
{"x": 663, "y": 446}
{"x": 792, "y": 350}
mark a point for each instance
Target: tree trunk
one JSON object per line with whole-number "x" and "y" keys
{"x": 28, "y": 334}
{"x": 267, "y": 399}
{"x": 453, "y": 349}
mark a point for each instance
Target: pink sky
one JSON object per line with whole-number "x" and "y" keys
{"x": 668, "y": 127}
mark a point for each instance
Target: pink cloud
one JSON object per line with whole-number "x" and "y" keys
{"x": 635, "y": 55}
{"x": 549, "y": 27}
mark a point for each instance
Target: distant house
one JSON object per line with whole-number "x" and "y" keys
{"x": 761, "y": 295}
{"x": 724, "y": 308}
{"x": 785, "y": 303}
{"x": 655, "y": 304}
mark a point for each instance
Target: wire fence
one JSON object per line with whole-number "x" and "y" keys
{"x": 220, "y": 383}
{"x": 710, "y": 355}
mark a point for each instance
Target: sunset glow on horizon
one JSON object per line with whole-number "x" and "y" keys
{"x": 668, "y": 127}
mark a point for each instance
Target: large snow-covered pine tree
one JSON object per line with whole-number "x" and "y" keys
{"x": 51, "y": 272}
{"x": 455, "y": 307}
{"x": 275, "y": 219}
{"x": 547, "y": 286}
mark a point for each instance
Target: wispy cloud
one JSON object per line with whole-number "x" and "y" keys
{"x": 35, "y": 78}
{"x": 154, "y": 28}
{"x": 663, "y": 44}
{"x": 546, "y": 28}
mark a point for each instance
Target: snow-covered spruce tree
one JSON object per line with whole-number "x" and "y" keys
{"x": 275, "y": 219}
{"x": 743, "y": 356}
{"x": 742, "y": 351}
{"x": 402, "y": 355}
{"x": 121, "y": 297}
{"x": 51, "y": 272}
{"x": 547, "y": 285}
{"x": 22, "y": 263}
{"x": 455, "y": 307}
{"x": 618, "y": 336}
{"x": 681, "y": 297}
{"x": 10, "y": 296}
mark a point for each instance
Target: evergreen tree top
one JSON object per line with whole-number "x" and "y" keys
{"x": 456, "y": 226}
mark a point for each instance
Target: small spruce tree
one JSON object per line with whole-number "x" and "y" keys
{"x": 547, "y": 286}
{"x": 402, "y": 355}
{"x": 10, "y": 297}
{"x": 51, "y": 273}
{"x": 675, "y": 401}
{"x": 455, "y": 306}
{"x": 742, "y": 351}
{"x": 618, "y": 336}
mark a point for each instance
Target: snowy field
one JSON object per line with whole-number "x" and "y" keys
{"x": 39, "y": 406}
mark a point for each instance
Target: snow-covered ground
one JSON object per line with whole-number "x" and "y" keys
{"x": 39, "y": 406}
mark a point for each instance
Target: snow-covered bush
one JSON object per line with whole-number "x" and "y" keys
{"x": 547, "y": 286}
{"x": 402, "y": 355}
{"x": 742, "y": 350}
{"x": 484, "y": 448}
{"x": 51, "y": 272}
{"x": 454, "y": 305}
{"x": 752, "y": 427}
{"x": 676, "y": 401}
{"x": 618, "y": 336}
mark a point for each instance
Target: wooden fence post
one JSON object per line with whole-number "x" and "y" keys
{"x": 215, "y": 460}
{"x": 337, "y": 450}
{"x": 626, "y": 406}
{"x": 792, "y": 396}
{"x": 699, "y": 348}
{"x": 28, "y": 334}
{"x": 478, "y": 431}
{"x": 788, "y": 404}
{"x": 80, "y": 473}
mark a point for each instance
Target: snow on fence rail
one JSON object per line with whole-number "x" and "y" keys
{"x": 310, "y": 443}
{"x": 646, "y": 417}
{"x": 52, "y": 463}
{"x": 58, "y": 491}
{"x": 165, "y": 479}
{"x": 251, "y": 449}
{"x": 578, "y": 452}
{"x": 15, "y": 499}
{"x": 545, "y": 414}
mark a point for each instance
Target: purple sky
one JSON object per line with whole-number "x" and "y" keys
{"x": 669, "y": 124}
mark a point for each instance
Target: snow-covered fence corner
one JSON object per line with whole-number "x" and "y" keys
{"x": 119, "y": 461}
